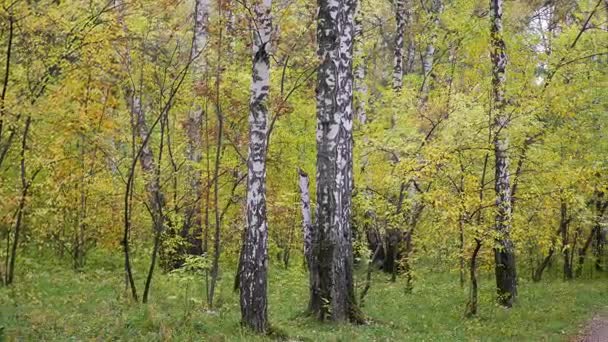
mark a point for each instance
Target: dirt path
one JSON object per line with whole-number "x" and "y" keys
{"x": 596, "y": 330}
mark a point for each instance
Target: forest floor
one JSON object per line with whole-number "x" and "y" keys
{"x": 51, "y": 302}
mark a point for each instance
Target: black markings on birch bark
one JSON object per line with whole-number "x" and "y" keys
{"x": 400, "y": 20}
{"x": 332, "y": 286}
{"x": 504, "y": 251}
{"x": 254, "y": 254}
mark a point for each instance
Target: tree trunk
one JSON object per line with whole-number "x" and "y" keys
{"x": 332, "y": 294}
{"x": 10, "y": 272}
{"x": 410, "y": 57}
{"x": 306, "y": 216}
{"x": 566, "y": 247}
{"x": 429, "y": 55}
{"x": 504, "y": 252}
{"x": 192, "y": 229}
{"x": 461, "y": 248}
{"x": 400, "y": 20}
{"x": 216, "y": 170}
{"x": 582, "y": 252}
{"x": 473, "y": 295}
{"x": 360, "y": 67}
{"x": 155, "y": 196}
{"x": 253, "y": 274}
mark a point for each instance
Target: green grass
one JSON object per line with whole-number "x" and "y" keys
{"x": 51, "y": 302}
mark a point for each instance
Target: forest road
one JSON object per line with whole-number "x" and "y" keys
{"x": 596, "y": 330}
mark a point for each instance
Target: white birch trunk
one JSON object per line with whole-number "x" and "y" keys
{"x": 253, "y": 273}
{"x": 429, "y": 55}
{"x": 504, "y": 253}
{"x": 400, "y": 19}
{"x": 306, "y": 215}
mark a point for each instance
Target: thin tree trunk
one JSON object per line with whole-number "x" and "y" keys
{"x": 216, "y": 171}
{"x": 400, "y": 20}
{"x": 360, "y": 67}
{"x": 192, "y": 229}
{"x": 472, "y": 306}
{"x": 157, "y": 202}
{"x": 254, "y": 254}
{"x": 4, "y": 146}
{"x": 461, "y": 248}
{"x": 504, "y": 253}
{"x": 20, "y": 211}
{"x": 582, "y": 252}
{"x": 538, "y": 273}
{"x": 368, "y": 277}
{"x": 145, "y": 155}
{"x": 306, "y": 216}
{"x": 566, "y": 247}
{"x": 429, "y": 56}
{"x": 410, "y": 57}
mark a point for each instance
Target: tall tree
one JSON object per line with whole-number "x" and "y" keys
{"x": 400, "y": 18}
{"x": 332, "y": 287}
{"x": 429, "y": 55}
{"x": 254, "y": 255}
{"x": 504, "y": 251}
{"x": 360, "y": 67}
{"x": 192, "y": 228}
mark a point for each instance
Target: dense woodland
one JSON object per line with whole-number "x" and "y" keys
{"x": 357, "y": 143}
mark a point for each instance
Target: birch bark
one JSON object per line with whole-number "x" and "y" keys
{"x": 504, "y": 253}
{"x": 332, "y": 288}
{"x": 253, "y": 273}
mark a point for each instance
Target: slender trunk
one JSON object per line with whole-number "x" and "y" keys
{"x": 128, "y": 205}
{"x": 207, "y": 197}
{"x": 360, "y": 67}
{"x": 400, "y": 19}
{"x": 472, "y": 306}
{"x": 7, "y": 69}
{"x": 20, "y": 211}
{"x": 582, "y": 252}
{"x": 429, "y": 55}
{"x": 145, "y": 155}
{"x": 599, "y": 250}
{"x": 504, "y": 253}
{"x": 410, "y": 57}
{"x": 461, "y": 248}
{"x": 254, "y": 254}
{"x": 306, "y": 216}
{"x": 79, "y": 246}
{"x": 192, "y": 229}
{"x": 566, "y": 247}
{"x": 216, "y": 170}
{"x": 368, "y": 277}
{"x": 158, "y": 202}
{"x": 538, "y": 273}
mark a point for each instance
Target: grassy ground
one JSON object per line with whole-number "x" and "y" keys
{"x": 51, "y": 302}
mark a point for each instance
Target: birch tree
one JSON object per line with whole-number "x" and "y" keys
{"x": 192, "y": 228}
{"x": 400, "y": 15}
{"x": 504, "y": 253}
{"x": 254, "y": 254}
{"x": 332, "y": 287}
{"x": 429, "y": 54}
